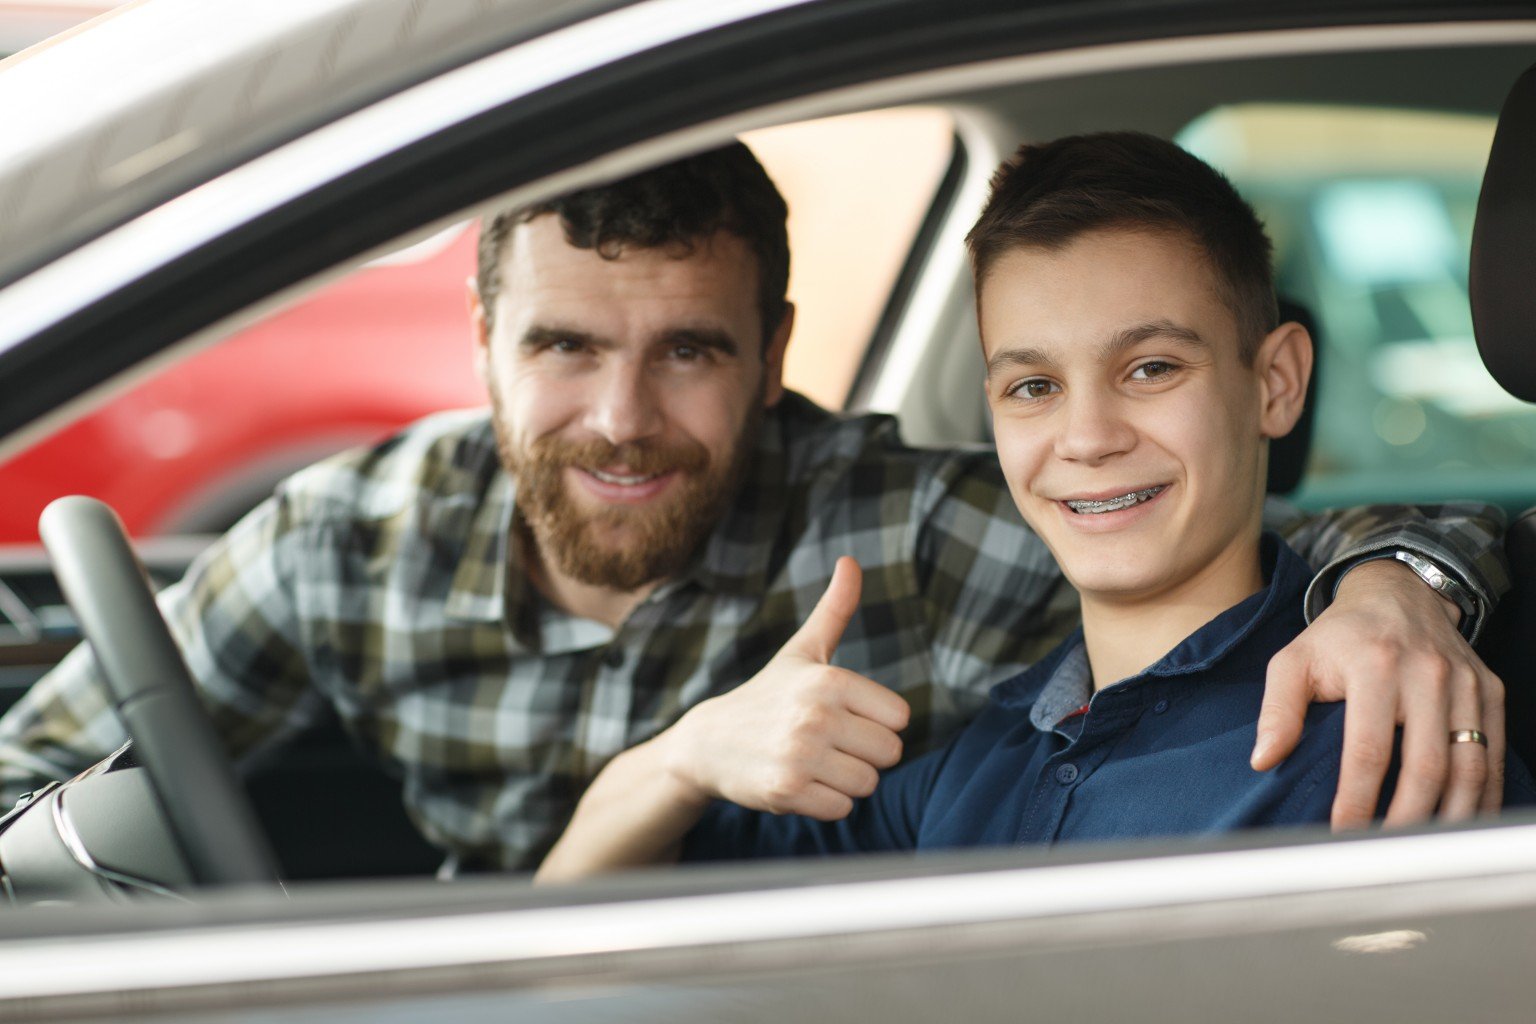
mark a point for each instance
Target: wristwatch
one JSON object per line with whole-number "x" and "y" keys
{"x": 1444, "y": 584}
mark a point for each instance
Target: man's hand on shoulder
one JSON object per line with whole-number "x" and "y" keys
{"x": 1388, "y": 646}
{"x": 801, "y": 736}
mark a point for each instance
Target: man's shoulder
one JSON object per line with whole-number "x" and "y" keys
{"x": 866, "y": 449}
{"x": 447, "y": 456}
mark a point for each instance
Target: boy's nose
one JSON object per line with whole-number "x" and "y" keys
{"x": 1092, "y": 429}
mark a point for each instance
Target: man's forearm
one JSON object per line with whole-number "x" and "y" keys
{"x": 1388, "y": 645}
{"x": 63, "y": 724}
{"x": 1463, "y": 538}
{"x": 1386, "y": 572}
{"x": 635, "y": 813}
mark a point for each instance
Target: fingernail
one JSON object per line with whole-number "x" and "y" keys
{"x": 1260, "y": 748}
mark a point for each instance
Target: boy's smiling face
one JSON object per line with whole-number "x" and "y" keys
{"x": 1129, "y": 426}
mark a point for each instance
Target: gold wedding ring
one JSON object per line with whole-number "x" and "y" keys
{"x": 1468, "y": 736}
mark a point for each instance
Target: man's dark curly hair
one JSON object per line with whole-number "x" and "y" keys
{"x": 670, "y": 207}
{"x": 1048, "y": 194}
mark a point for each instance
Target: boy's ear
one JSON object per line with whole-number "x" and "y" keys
{"x": 1284, "y": 366}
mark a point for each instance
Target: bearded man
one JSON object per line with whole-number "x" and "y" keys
{"x": 498, "y": 604}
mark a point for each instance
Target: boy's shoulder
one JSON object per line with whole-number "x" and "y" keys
{"x": 1319, "y": 754}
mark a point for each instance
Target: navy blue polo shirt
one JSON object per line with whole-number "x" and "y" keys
{"x": 1164, "y": 752}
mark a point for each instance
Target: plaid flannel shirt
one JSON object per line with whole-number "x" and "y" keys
{"x": 383, "y": 583}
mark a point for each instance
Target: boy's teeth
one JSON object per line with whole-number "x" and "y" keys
{"x": 1112, "y": 504}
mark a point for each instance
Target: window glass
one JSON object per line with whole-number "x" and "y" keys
{"x": 192, "y": 447}
{"x": 858, "y": 188}
{"x": 1371, "y": 211}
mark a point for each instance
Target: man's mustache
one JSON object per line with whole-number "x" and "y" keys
{"x": 641, "y": 458}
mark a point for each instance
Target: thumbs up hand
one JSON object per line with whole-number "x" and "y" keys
{"x": 801, "y": 736}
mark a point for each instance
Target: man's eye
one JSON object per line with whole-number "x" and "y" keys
{"x": 565, "y": 346}
{"x": 1153, "y": 370}
{"x": 687, "y": 353}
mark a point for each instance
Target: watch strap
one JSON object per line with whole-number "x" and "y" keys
{"x": 1446, "y": 585}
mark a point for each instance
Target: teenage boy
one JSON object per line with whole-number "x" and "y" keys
{"x": 1135, "y": 373}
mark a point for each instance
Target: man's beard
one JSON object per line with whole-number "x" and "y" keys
{"x": 623, "y": 547}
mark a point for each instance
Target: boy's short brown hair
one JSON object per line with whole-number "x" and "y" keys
{"x": 1048, "y": 194}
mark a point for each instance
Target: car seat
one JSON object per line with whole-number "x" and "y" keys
{"x": 1503, "y": 267}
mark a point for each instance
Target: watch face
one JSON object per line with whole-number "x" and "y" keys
{"x": 1445, "y": 585}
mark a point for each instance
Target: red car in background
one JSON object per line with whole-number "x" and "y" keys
{"x": 219, "y": 430}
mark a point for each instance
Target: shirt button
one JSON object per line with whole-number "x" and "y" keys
{"x": 1066, "y": 774}
{"x": 614, "y": 657}
{"x": 1159, "y": 707}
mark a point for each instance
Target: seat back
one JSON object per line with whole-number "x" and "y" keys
{"x": 1503, "y": 260}
{"x": 1508, "y": 643}
{"x": 1503, "y": 265}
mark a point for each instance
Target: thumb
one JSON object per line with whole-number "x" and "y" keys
{"x": 819, "y": 636}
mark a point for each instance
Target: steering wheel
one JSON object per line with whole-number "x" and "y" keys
{"x": 210, "y": 818}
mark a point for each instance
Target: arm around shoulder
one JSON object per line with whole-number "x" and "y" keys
{"x": 1464, "y": 538}
{"x": 1388, "y": 645}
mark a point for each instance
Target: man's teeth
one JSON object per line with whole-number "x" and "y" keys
{"x": 1094, "y": 508}
{"x": 627, "y": 481}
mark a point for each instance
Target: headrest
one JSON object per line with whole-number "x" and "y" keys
{"x": 1503, "y": 270}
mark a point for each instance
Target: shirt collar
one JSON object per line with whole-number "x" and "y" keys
{"x": 1288, "y": 576}
{"x": 478, "y": 592}
{"x": 739, "y": 554}
{"x": 1061, "y": 682}
{"x": 491, "y": 584}
{"x": 1068, "y": 687}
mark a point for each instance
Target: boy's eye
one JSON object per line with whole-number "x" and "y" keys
{"x": 1153, "y": 370}
{"x": 1035, "y": 387}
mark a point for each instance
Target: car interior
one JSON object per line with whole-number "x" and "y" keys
{"x": 1325, "y": 145}
{"x": 1500, "y": 262}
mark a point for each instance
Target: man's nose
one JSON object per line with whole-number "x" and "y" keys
{"x": 626, "y": 405}
{"x": 1092, "y": 428}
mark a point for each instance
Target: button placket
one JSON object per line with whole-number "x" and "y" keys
{"x": 606, "y": 706}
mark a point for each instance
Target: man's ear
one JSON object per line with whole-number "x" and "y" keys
{"x": 773, "y": 358}
{"x": 1284, "y": 366}
{"x": 480, "y": 332}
